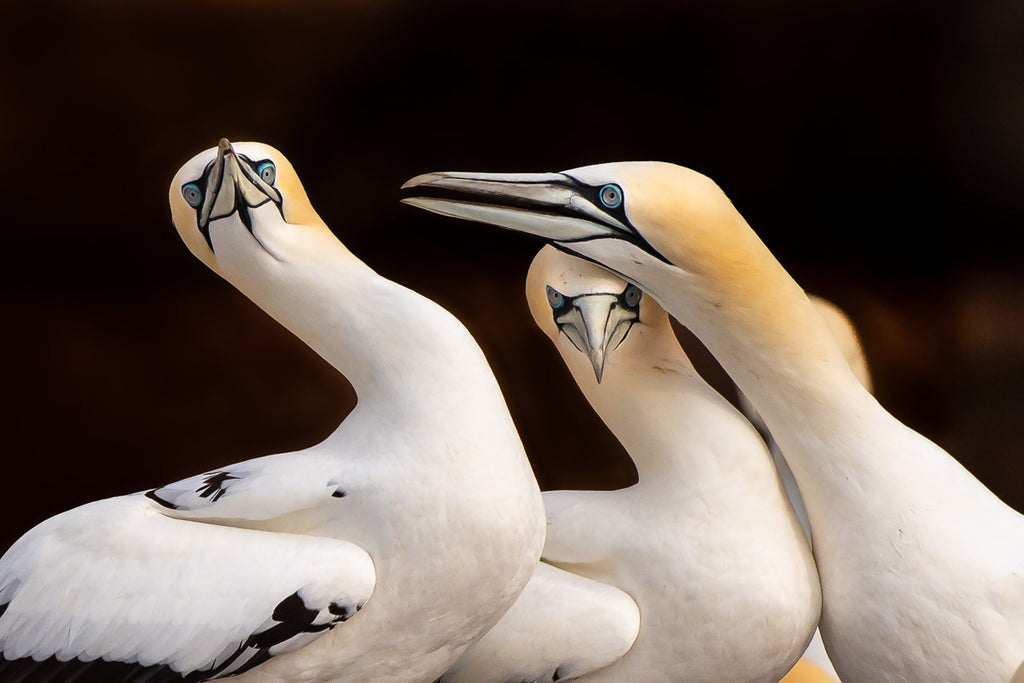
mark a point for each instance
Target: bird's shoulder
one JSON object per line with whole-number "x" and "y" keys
{"x": 257, "y": 490}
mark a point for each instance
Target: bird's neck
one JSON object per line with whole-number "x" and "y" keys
{"x": 778, "y": 349}
{"x": 398, "y": 349}
{"x": 680, "y": 432}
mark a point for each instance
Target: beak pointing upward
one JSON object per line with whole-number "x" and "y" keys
{"x": 233, "y": 185}
{"x": 554, "y": 206}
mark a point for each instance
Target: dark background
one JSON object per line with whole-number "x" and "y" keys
{"x": 877, "y": 147}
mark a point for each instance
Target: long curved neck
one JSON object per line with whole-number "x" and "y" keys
{"x": 764, "y": 330}
{"x": 774, "y": 344}
{"x": 679, "y": 431}
{"x": 397, "y": 348}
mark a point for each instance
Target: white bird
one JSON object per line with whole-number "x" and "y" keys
{"x": 704, "y": 542}
{"x": 849, "y": 341}
{"x": 421, "y": 508}
{"x": 921, "y": 566}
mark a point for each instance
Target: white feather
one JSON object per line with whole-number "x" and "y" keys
{"x": 102, "y": 580}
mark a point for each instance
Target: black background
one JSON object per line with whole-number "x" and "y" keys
{"x": 877, "y": 148}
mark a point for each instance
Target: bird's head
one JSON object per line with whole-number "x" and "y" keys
{"x": 241, "y": 195}
{"x": 626, "y": 215}
{"x": 588, "y": 312}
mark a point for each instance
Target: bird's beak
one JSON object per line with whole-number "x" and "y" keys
{"x": 596, "y": 326}
{"x": 553, "y": 206}
{"x": 233, "y": 186}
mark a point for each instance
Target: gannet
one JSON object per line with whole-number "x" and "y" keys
{"x": 420, "y": 512}
{"x": 921, "y": 566}
{"x": 849, "y": 341}
{"x": 704, "y": 542}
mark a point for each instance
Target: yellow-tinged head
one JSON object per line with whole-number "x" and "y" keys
{"x": 245, "y": 183}
{"x": 670, "y": 213}
{"x": 682, "y": 215}
{"x": 666, "y": 228}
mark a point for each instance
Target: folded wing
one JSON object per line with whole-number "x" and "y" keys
{"x": 118, "y": 586}
{"x": 561, "y": 627}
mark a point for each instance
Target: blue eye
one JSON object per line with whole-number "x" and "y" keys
{"x": 555, "y": 298}
{"x": 192, "y": 194}
{"x": 611, "y": 196}
{"x": 268, "y": 172}
{"x": 631, "y": 296}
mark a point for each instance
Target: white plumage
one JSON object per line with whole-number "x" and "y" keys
{"x": 562, "y": 626}
{"x": 705, "y": 542}
{"x": 421, "y": 507}
{"x": 116, "y": 579}
{"x": 846, "y": 335}
{"x": 921, "y": 566}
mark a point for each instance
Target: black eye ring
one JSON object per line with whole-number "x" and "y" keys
{"x": 192, "y": 194}
{"x": 555, "y": 298}
{"x": 611, "y": 196}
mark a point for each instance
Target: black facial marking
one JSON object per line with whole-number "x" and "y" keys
{"x": 210, "y": 182}
{"x": 592, "y": 193}
{"x": 202, "y": 183}
{"x": 560, "y": 303}
{"x": 214, "y": 485}
{"x": 628, "y": 299}
{"x": 166, "y": 503}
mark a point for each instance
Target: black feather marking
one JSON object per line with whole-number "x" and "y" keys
{"x": 213, "y": 485}
{"x": 293, "y": 609}
{"x": 292, "y": 615}
{"x": 343, "y": 612}
{"x": 293, "y": 618}
{"x": 166, "y": 503}
{"x": 27, "y": 670}
{"x": 338, "y": 493}
{"x": 3, "y": 608}
{"x": 80, "y": 674}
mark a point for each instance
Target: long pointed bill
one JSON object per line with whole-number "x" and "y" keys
{"x": 596, "y": 326}
{"x": 553, "y": 206}
{"x": 233, "y": 186}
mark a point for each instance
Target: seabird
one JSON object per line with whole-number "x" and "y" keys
{"x": 378, "y": 554}
{"x": 849, "y": 341}
{"x": 921, "y": 566}
{"x": 704, "y": 542}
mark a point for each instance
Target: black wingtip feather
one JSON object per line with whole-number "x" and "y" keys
{"x": 166, "y": 503}
{"x": 50, "y": 670}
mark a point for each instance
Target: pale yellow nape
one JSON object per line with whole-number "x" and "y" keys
{"x": 684, "y": 215}
{"x": 687, "y": 218}
{"x": 295, "y": 203}
{"x": 846, "y": 334}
